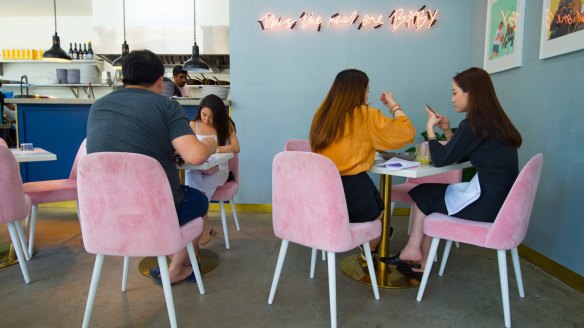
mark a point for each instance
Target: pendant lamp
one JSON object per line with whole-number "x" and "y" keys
{"x": 56, "y": 54}
{"x": 117, "y": 63}
{"x": 195, "y": 63}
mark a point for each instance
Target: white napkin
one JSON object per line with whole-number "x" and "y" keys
{"x": 460, "y": 195}
{"x": 212, "y": 157}
{"x": 395, "y": 163}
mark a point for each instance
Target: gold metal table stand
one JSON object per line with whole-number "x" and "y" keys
{"x": 208, "y": 260}
{"x": 388, "y": 276}
{"x": 7, "y": 255}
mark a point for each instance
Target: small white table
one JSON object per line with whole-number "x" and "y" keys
{"x": 389, "y": 276}
{"x": 215, "y": 159}
{"x": 37, "y": 155}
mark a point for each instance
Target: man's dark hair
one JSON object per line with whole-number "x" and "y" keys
{"x": 142, "y": 67}
{"x": 178, "y": 70}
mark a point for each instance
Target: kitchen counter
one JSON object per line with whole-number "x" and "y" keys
{"x": 75, "y": 101}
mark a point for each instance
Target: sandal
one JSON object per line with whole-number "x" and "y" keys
{"x": 154, "y": 273}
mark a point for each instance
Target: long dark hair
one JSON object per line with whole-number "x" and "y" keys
{"x": 222, "y": 123}
{"x": 346, "y": 94}
{"x": 484, "y": 109}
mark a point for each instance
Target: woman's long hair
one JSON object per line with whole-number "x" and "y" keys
{"x": 346, "y": 94}
{"x": 484, "y": 112}
{"x": 221, "y": 121}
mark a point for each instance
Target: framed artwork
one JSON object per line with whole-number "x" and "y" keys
{"x": 504, "y": 34}
{"x": 562, "y": 27}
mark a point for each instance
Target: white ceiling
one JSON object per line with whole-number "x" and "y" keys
{"x": 11, "y": 8}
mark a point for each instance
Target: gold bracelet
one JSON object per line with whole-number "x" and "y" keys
{"x": 395, "y": 110}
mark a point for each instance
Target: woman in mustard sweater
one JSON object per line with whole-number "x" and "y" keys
{"x": 348, "y": 131}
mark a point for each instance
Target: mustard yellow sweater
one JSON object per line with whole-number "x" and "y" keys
{"x": 369, "y": 131}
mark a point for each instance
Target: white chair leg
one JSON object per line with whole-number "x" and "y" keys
{"x": 428, "y": 268}
{"x": 33, "y": 219}
{"x": 224, "y": 223}
{"x": 196, "y": 270}
{"x": 19, "y": 251}
{"x": 391, "y": 208}
{"x": 313, "y": 262}
{"x": 457, "y": 244}
{"x": 445, "y": 257}
{"x": 332, "y": 274}
{"x": 502, "y": 259}
{"x": 411, "y": 219}
{"x": 162, "y": 264}
{"x": 517, "y": 268}
{"x": 22, "y": 240}
{"x": 281, "y": 258}
{"x": 371, "y": 270}
{"x": 125, "y": 273}
{"x": 323, "y": 256}
{"x": 93, "y": 289}
{"x": 232, "y": 203}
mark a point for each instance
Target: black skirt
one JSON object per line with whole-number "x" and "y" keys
{"x": 364, "y": 202}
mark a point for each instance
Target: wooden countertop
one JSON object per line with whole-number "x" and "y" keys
{"x": 75, "y": 101}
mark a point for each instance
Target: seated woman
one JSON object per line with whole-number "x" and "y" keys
{"x": 488, "y": 138}
{"x": 348, "y": 131}
{"x": 212, "y": 121}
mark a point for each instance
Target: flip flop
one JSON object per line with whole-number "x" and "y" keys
{"x": 395, "y": 260}
{"x": 154, "y": 273}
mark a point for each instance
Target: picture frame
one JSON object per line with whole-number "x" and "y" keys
{"x": 562, "y": 28}
{"x": 504, "y": 35}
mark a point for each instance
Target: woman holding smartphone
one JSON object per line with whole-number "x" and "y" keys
{"x": 488, "y": 138}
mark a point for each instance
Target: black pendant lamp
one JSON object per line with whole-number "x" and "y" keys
{"x": 56, "y": 54}
{"x": 195, "y": 63}
{"x": 117, "y": 63}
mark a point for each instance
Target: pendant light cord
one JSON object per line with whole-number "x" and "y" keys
{"x": 55, "y": 14}
{"x": 195, "y": 20}
{"x": 124, "y": 13}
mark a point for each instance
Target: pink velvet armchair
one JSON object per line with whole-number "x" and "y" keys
{"x": 309, "y": 208}
{"x": 226, "y": 193}
{"x": 506, "y": 233}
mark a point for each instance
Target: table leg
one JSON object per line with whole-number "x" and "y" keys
{"x": 7, "y": 255}
{"x": 208, "y": 260}
{"x": 388, "y": 276}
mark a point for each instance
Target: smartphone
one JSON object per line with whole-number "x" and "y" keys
{"x": 431, "y": 109}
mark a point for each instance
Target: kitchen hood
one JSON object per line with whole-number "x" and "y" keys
{"x": 218, "y": 63}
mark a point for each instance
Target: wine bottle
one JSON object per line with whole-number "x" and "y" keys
{"x": 84, "y": 51}
{"x": 89, "y": 51}
{"x": 75, "y": 52}
{"x": 70, "y": 53}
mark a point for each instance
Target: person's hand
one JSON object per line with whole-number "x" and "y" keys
{"x": 433, "y": 119}
{"x": 444, "y": 123}
{"x": 387, "y": 99}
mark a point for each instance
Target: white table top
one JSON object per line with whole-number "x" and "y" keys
{"x": 215, "y": 160}
{"x": 38, "y": 155}
{"x": 419, "y": 171}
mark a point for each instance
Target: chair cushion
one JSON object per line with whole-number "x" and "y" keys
{"x": 49, "y": 191}
{"x": 399, "y": 192}
{"x": 226, "y": 191}
{"x": 455, "y": 229}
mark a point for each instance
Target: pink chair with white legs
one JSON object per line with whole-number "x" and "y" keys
{"x": 14, "y": 205}
{"x": 226, "y": 193}
{"x": 506, "y": 233}
{"x": 309, "y": 208}
{"x": 50, "y": 191}
{"x": 125, "y": 212}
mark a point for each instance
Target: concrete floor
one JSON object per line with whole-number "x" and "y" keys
{"x": 468, "y": 295}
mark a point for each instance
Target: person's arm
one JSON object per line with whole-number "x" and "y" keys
{"x": 462, "y": 144}
{"x": 233, "y": 146}
{"x": 192, "y": 150}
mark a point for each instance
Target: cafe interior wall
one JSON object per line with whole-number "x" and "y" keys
{"x": 543, "y": 98}
{"x": 280, "y": 77}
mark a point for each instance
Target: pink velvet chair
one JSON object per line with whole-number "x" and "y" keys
{"x": 226, "y": 193}
{"x": 506, "y": 233}
{"x": 297, "y": 145}
{"x": 309, "y": 208}
{"x": 126, "y": 209}
{"x": 50, "y": 191}
{"x": 14, "y": 205}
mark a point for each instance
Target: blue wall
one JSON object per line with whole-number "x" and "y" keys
{"x": 544, "y": 100}
{"x": 279, "y": 78}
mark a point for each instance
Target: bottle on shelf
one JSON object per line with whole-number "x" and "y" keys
{"x": 89, "y": 51}
{"x": 75, "y": 53}
{"x": 84, "y": 51}
{"x": 70, "y": 53}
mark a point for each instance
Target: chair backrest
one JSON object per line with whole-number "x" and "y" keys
{"x": 308, "y": 201}
{"x": 13, "y": 203}
{"x": 126, "y": 207}
{"x": 297, "y": 145}
{"x": 3, "y": 143}
{"x": 80, "y": 153}
{"x": 510, "y": 226}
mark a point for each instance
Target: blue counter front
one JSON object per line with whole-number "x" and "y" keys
{"x": 59, "y": 128}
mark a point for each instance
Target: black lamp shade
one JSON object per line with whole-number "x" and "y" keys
{"x": 56, "y": 53}
{"x": 118, "y": 62}
{"x": 195, "y": 63}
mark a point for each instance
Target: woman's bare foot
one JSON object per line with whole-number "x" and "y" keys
{"x": 181, "y": 274}
{"x": 410, "y": 254}
{"x": 207, "y": 235}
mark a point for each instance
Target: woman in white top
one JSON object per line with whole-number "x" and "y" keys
{"x": 212, "y": 121}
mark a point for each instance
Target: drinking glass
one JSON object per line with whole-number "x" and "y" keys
{"x": 26, "y": 147}
{"x": 423, "y": 153}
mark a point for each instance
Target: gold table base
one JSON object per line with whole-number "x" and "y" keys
{"x": 7, "y": 255}
{"x": 388, "y": 276}
{"x": 208, "y": 260}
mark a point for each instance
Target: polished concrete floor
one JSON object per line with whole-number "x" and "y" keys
{"x": 468, "y": 295}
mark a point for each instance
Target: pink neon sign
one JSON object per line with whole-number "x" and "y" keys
{"x": 397, "y": 19}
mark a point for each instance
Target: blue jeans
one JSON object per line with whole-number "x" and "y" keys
{"x": 193, "y": 205}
